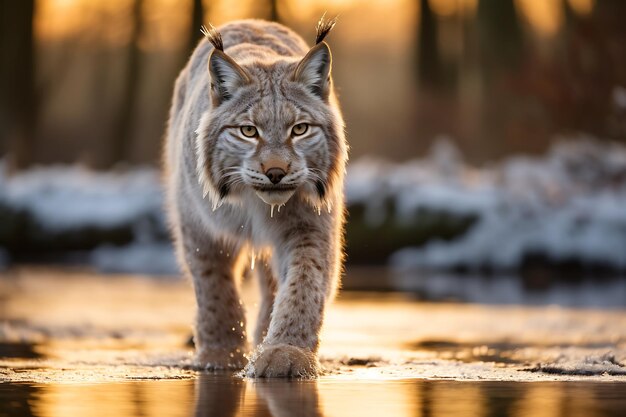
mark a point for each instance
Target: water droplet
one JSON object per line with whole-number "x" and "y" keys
{"x": 241, "y": 324}
{"x": 232, "y": 355}
{"x": 319, "y": 211}
{"x": 197, "y": 249}
{"x": 252, "y": 260}
{"x": 233, "y": 329}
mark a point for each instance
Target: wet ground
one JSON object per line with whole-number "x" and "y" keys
{"x": 76, "y": 343}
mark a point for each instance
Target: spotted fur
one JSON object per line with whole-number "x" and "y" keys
{"x": 261, "y": 74}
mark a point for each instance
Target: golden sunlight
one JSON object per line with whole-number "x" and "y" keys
{"x": 167, "y": 21}
{"x": 58, "y": 18}
{"x": 541, "y": 401}
{"x": 544, "y": 16}
{"x": 148, "y": 400}
{"x": 458, "y": 400}
{"x": 392, "y": 401}
{"x": 108, "y": 22}
{"x": 447, "y": 8}
{"x": 224, "y": 11}
{"x": 582, "y": 7}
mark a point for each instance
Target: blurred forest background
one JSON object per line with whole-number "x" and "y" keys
{"x": 485, "y": 134}
{"x": 90, "y": 80}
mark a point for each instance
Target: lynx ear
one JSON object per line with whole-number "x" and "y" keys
{"x": 226, "y": 76}
{"x": 314, "y": 70}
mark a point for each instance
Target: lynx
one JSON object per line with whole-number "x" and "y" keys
{"x": 255, "y": 158}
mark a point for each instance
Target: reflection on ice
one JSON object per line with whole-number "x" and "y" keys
{"x": 512, "y": 289}
{"x": 224, "y": 396}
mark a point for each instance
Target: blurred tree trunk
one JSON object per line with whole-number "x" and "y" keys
{"x": 569, "y": 14}
{"x": 18, "y": 101}
{"x": 123, "y": 126}
{"x": 273, "y": 11}
{"x": 197, "y": 20}
{"x": 500, "y": 35}
{"x": 500, "y": 54}
{"x": 429, "y": 68}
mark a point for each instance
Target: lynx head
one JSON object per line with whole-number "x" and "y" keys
{"x": 274, "y": 127}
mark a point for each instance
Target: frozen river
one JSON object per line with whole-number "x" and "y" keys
{"x": 77, "y": 343}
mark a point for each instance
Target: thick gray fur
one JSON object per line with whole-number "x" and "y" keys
{"x": 220, "y": 214}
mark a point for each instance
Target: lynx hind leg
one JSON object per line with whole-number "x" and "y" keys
{"x": 220, "y": 335}
{"x": 267, "y": 289}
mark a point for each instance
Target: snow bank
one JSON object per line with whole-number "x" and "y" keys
{"x": 70, "y": 208}
{"x": 70, "y": 197}
{"x": 567, "y": 205}
{"x": 440, "y": 182}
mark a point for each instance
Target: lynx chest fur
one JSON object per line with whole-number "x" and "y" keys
{"x": 254, "y": 158}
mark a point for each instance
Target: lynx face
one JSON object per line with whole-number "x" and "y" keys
{"x": 272, "y": 128}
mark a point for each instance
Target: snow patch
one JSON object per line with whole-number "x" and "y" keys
{"x": 591, "y": 365}
{"x": 67, "y": 197}
{"x": 70, "y": 199}
{"x": 565, "y": 205}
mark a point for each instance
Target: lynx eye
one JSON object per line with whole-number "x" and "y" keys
{"x": 249, "y": 131}
{"x": 300, "y": 129}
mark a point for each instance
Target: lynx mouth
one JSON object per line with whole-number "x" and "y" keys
{"x": 274, "y": 188}
{"x": 275, "y": 195}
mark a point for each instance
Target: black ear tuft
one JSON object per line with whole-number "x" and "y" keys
{"x": 324, "y": 26}
{"x": 213, "y": 36}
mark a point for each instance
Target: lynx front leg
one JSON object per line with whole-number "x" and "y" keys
{"x": 220, "y": 335}
{"x": 267, "y": 285}
{"x": 309, "y": 268}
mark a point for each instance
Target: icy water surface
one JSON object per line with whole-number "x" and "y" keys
{"x": 76, "y": 343}
{"x": 223, "y": 396}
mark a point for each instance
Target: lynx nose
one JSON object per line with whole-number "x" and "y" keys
{"x": 275, "y": 174}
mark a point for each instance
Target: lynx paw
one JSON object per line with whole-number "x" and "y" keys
{"x": 282, "y": 361}
{"x": 215, "y": 359}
